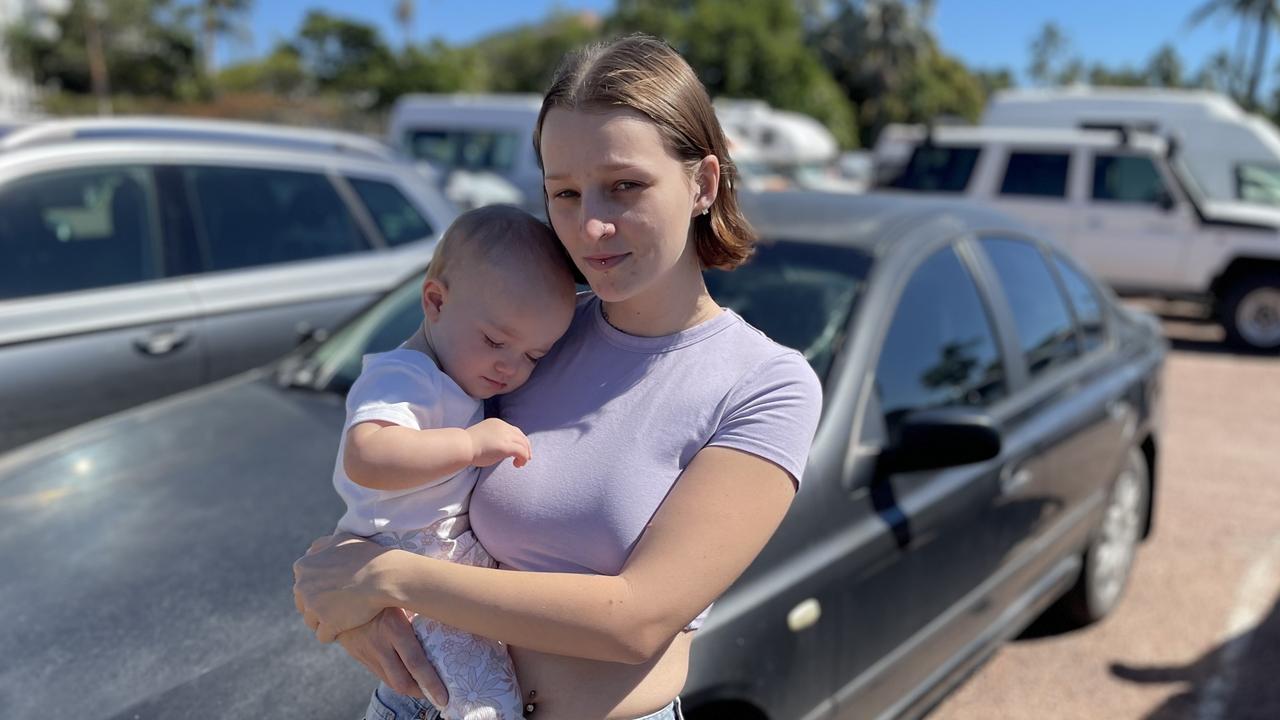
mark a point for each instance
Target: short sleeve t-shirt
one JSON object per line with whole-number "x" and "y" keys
{"x": 404, "y": 387}
{"x": 614, "y": 419}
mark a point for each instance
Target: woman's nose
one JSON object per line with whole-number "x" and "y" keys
{"x": 595, "y": 222}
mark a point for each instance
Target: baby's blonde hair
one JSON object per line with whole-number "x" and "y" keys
{"x": 500, "y": 237}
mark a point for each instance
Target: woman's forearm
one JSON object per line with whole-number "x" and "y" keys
{"x": 597, "y": 617}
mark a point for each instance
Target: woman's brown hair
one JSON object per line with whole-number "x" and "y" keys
{"x": 647, "y": 75}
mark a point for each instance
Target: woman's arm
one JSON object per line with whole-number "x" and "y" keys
{"x": 721, "y": 511}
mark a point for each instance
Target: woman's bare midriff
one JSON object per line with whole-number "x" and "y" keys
{"x": 568, "y": 688}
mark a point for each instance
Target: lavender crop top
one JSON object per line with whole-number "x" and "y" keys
{"x": 615, "y": 418}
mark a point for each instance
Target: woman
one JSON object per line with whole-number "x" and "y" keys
{"x": 668, "y": 435}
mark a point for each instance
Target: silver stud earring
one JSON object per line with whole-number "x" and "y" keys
{"x": 706, "y": 210}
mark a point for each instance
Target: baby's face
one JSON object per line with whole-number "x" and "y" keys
{"x": 493, "y": 328}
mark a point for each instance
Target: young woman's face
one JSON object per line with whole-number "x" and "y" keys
{"x": 618, "y": 198}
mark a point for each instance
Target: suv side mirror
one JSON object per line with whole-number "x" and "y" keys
{"x": 941, "y": 438}
{"x": 1166, "y": 201}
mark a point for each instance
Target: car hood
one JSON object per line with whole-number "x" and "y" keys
{"x": 147, "y": 561}
{"x": 1239, "y": 212}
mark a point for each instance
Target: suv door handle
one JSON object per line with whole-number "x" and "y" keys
{"x": 161, "y": 342}
{"x": 1014, "y": 476}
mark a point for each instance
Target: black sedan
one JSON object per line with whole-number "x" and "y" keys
{"x": 987, "y": 450}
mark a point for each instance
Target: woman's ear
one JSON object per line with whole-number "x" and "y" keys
{"x": 707, "y": 178}
{"x": 434, "y": 294}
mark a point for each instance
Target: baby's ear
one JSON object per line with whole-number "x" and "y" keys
{"x": 434, "y": 293}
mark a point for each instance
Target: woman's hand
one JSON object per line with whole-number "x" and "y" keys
{"x": 334, "y": 584}
{"x": 388, "y": 648}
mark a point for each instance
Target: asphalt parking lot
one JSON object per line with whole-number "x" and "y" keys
{"x": 1197, "y": 636}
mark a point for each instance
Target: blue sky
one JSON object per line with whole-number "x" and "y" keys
{"x": 982, "y": 33}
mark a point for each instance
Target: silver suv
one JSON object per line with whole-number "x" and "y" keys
{"x": 140, "y": 257}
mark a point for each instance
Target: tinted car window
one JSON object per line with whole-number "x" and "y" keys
{"x": 1045, "y": 330}
{"x": 938, "y": 169}
{"x": 1126, "y": 178}
{"x": 1084, "y": 300}
{"x": 253, "y": 216}
{"x": 799, "y": 294}
{"x": 940, "y": 349}
{"x": 78, "y": 229}
{"x": 466, "y": 149}
{"x": 1036, "y": 174}
{"x": 395, "y": 216}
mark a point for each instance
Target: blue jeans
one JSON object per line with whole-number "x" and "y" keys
{"x": 387, "y": 704}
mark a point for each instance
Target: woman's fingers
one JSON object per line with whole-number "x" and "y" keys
{"x": 320, "y": 543}
{"x": 380, "y": 659}
{"x": 424, "y": 674}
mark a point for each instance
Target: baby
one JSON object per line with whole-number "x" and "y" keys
{"x": 499, "y": 293}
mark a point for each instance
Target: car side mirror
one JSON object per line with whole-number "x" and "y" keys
{"x": 941, "y": 438}
{"x": 1166, "y": 201}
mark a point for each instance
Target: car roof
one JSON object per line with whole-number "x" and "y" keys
{"x": 873, "y": 223}
{"x": 160, "y": 129}
{"x": 1028, "y": 136}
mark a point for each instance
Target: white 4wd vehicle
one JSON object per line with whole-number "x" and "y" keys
{"x": 1121, "y": 202}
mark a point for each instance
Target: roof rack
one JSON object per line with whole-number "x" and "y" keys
{"x": 229, "y": 131}
{"x": 1124, "y": 129}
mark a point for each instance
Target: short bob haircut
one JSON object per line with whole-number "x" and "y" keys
{"x": 645, "y": 74}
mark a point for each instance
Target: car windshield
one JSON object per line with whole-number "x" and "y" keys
{"x": 799, "y": 294}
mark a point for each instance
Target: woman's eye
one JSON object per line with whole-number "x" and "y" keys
{"x": 490, "y": 342}
{"x": 565, "y": 194}
{"x": 626, "y": 185}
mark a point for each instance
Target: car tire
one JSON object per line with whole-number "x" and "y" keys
{"x": 1108, "y": 559}
{"x": 1250, "y": 313}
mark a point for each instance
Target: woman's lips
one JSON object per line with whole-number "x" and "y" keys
{"x": 605, "y": 262}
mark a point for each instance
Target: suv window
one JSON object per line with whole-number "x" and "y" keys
{"x": 938, "y": 169}
{"x": 940, "y": 349}
{"x": 466, "y": 149}
{"x": 78, "y": 229}
{"x": 1036, "y": 174}
{"x": 1127, "y": 178}
{"x": 396, "y": 217}
{"x": 255, "y": 216}
{"x": 1084, "y": 300}
{"x": 1045, "y": 330}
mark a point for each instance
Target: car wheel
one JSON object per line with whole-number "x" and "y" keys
{"x": 1251, "y": 313}
{"x": 1108, "y": 559}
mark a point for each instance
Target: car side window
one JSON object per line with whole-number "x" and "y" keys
{"x": 1045, "y": 330}
{"x": 466, "y": 149}
{"x": 78, "y": 229}
{"x": 256, "y": 216}
{"x": 940, "y": 349}
{"x": 1036, "y": 174}
{"x": 397, "y": 219}
{"x": 938, "y": 169}
{"x": 1127, "y": 178}
{"x": 1084, "y": 300}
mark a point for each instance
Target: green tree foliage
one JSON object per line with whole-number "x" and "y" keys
{"x": 523, "y": 59}
{"x": 147, "y": 48}
{"x": 280, "y": 73}
{"x": 344, "y": 55}
{"x": 746, "y": 49}
{"x": 1259, "y": 16}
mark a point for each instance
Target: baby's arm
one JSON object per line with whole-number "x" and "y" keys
{"x": 385, "y": 456}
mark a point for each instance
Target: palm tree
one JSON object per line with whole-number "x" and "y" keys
{"x": 219, "y": 17}
{"x": 404, "y": 16}
{"x": 1259, "y": 15}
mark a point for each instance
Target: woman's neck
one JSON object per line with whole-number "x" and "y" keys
{"x": 679, "y": 303}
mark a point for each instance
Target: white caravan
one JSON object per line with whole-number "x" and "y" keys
{"x": 473, "y": 134}
{"x": 1231, "y": 155}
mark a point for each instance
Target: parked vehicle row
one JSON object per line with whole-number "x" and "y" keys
{"x": 144, "y": 257}
{"x": 1123, "y": 203}
{"x": 988, "y": 444}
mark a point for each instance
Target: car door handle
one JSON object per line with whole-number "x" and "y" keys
{"x": 161, "y": 342}
{"x": 1013, "y": 477}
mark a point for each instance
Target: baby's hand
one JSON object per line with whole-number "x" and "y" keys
{"x": 493, "y": 440}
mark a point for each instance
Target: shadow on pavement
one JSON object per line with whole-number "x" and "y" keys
{"x": 1235, "y": 681}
